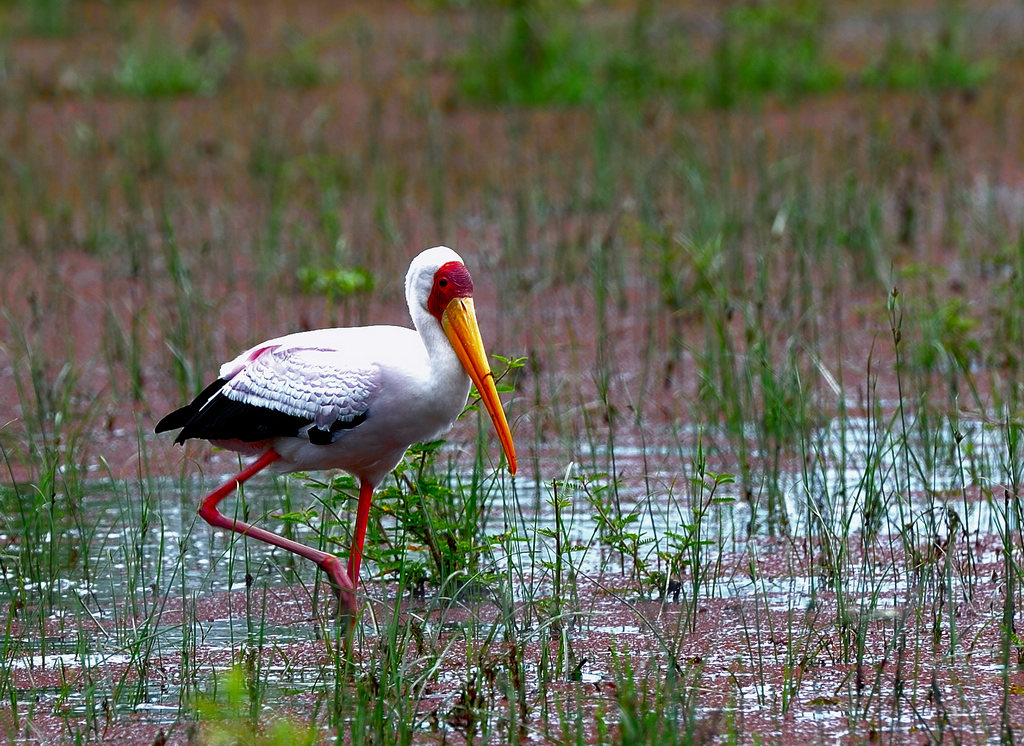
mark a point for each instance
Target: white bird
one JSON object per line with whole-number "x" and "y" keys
{"x": 352, "y": 398}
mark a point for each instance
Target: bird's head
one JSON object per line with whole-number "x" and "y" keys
{"x": 439, "y": 280}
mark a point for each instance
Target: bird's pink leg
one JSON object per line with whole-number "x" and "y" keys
{"x": 344, "y": 587}
{"x": 355, "y": 557}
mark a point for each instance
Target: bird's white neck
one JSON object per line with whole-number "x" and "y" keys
{"x": 448, "y": 372}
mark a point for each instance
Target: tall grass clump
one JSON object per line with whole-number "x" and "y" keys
{"x": 539, "y": 53}
{"x": 769, "y": 48}
{"x": 186, "y": 327}
{"x": 297, "y": 64}
{"x": 226, "y": 715}
{"x": 937, "y": 63}
{"x": 939, "y": 334}
{"x": 158, "y": 67}
{"x": 1008, "y": 325}
{"x": 47, "y": 18}
{"x": 658, "y": 706}
{"x": 441, "y": 513}
{"x": 435, "y": 512}
{"x": 532, "y": 53}
{"x": 693, "y": 549}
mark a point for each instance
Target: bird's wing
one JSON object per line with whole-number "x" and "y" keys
{"x": 306, "y": 382}
{"x": 284, "y": 391}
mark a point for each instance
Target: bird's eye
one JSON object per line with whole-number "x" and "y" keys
{"x": 443, "y": 282}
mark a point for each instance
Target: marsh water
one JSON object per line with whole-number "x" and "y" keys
{"x": 162, "y": 591}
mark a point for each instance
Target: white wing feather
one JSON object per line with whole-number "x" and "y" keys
{"x": 305, "y": 382}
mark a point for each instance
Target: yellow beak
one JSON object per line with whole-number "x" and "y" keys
{"x": 459, "y": 323}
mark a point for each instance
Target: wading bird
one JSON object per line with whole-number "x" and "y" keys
{"x": 353, "y": 399}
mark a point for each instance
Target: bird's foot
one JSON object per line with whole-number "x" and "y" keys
{"x": 344, "y": 588}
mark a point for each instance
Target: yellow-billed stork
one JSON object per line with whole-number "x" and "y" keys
{"x": 353, "y": 399}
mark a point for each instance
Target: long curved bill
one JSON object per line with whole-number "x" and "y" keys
{"x": 459, "y": 323}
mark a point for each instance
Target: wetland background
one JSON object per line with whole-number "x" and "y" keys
{"x": 754, "y": 271}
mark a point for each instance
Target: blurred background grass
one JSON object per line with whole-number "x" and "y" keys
{"x": 698, "y": 181}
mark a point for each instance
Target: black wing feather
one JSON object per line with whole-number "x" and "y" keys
{"x": 213, "y": 417}
{"x": 225, "y": 419}
{"x": 181, "y": 417}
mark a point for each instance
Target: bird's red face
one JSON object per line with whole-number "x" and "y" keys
{"x": 451, "y": 303}
{"x": 451, "y": 281}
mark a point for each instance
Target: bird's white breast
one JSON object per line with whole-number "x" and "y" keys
{"x": 408, "y": 394}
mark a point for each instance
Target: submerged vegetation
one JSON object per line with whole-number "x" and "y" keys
{"x": 757, "y": 272}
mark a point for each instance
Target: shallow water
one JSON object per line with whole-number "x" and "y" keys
{"x": 850, "y": 466}
{"x": 854, "y": 479}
